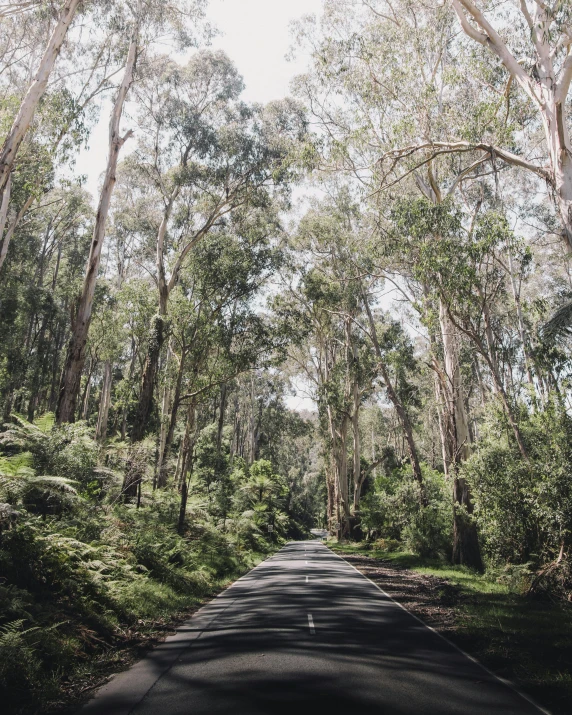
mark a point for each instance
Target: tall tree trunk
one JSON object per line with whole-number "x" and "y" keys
{"x": 356, "y": 449}
{"x": 69, "y": 388}
{"x": 12, "y": 227}
{"x": 130, "y": 378}
{"x": 86, "y": 394}
{"x": 145, "y": 404}
{"x": 35, "y": 92}
{"x": 187, "y": 463}
{"x": 339, "y": 438}
{"x": 466, "y": 549}
{"x": 3, "y": 218}
{"x": 252, "y": 437}
{"x": 158, "y": 328}
{"x": 176, "y": 401}
{"x": 104, "y": 403}
{"x": 165, "y": 424}
{"x": 521, "y": 327}
{"x": 223, "y": 395}
{"x": 402, "y": 414}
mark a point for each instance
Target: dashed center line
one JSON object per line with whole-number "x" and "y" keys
{"x": 311, "y": 624}
{"x": 306, "y": 579}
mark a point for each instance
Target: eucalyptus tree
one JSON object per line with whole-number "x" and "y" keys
{"x": 364, "y": 136}
{"x": 534, "y": 44}
{"x": 141, "y": 26}
{"x": 214, "y": 329}
{"x": 35, "y": 91}
{"x": 36, "y": 295}
{"x": 203, "y": 156}
{"x": 320, "y": 309}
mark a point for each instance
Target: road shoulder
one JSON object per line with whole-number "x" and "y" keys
{"x": 528, "y": 643}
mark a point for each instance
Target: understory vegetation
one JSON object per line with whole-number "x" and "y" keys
{"x": 348, "y": 309}
{"x": 523, "y": 640}
{"x": 86, "y": 573}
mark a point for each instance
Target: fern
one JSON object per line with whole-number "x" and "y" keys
{"x": 559, "y": 326}
{"x": 45, "y": 422}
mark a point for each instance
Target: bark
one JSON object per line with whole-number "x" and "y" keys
{"x": 158, "y": 328}
{"x": 35, "y": 92}
{"x": 187, "y": 463}
{"x": 70, "y": 384}
{"x": 175, "y": 403}
{"x": 105, "y": 401}
{"x": 252, "y": 436}
{"x": 357, "y": 474}
{"x": 466, "y": 549}
{"x": 402, "y": 414}
{"x": 87, "y": 392}
{"x": 458, "y": 437}
{"x": 12, "y": 227}
{"x": 3, "y": 217}
{"x": 165, "y": 425}
{"x": 145, "y": 404}
{"x": 223, "y": 396}
{"x": 548, "y": 92}
{"x": 126, "y": 405}
{"x": 338, "y": 437}
{"x": 521, "y": 327}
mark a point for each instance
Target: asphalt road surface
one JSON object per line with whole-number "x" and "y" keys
{"x": 305, "y": 633}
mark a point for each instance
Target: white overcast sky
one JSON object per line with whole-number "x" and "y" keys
{"x": 256, "y": 36}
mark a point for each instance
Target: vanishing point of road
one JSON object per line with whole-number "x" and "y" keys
{"x": 305, "y": 633}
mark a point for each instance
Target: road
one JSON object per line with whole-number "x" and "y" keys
{"x": 304, "y": 632}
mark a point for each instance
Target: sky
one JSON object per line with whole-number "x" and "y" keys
{"x": 256, "y": 36}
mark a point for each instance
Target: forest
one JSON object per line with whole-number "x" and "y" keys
{"x": 391, "y": 242}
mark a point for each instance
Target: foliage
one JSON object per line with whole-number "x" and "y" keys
{"x": 391, "y": 512}
{"x": 524, "y": 509}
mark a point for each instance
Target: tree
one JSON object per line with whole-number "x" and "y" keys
{"x": 548, "y": 33}
{"x": 206, "y": 155}
{"x": 34, "y": 94}
{"x": 147, "y": 19}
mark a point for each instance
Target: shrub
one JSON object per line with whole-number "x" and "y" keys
{"x": 392, "y": 511}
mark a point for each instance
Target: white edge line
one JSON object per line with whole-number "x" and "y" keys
{"x": 502, "y": 680}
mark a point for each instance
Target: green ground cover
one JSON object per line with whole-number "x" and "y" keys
{"x": 524, "y": 639}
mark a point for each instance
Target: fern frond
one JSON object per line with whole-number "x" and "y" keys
{"x": 57, "y": 483}
{"x": 559, "y": 325}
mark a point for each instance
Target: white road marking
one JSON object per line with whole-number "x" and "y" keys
{"x": 306, "y": 563}
{"x": 306, "y": 579}
{"x": 311, "y": 624}
{"x": 504, "y": 681}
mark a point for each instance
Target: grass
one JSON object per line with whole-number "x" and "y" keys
{"x": 526, "y": 640}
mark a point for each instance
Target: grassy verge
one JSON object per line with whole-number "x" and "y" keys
{"x": 525, "y": 640}
{"x": 132, "y": 643}
{"x": 81, "y": 599}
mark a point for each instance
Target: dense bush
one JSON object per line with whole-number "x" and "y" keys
{"x": 80, "y": 568}
{"x": 524, "y": 509}
{"x": 391, "y": 510}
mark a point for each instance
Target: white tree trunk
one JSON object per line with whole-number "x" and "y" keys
{"x": 548, "y": 90}
{"x": 3, "y": 218}
{"x": 76, "y": 351}
{"x": 105, "y": 401}
{"x": 35, "y": 91}
{"x": 459, "y": 441}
